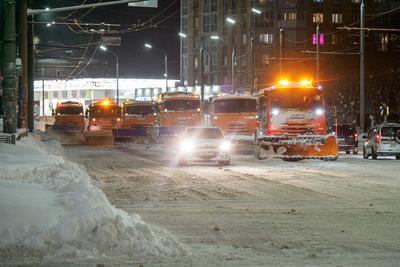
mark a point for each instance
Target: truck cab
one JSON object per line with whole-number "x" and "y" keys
{"x": 139, "y": 114}
{"x": 179, "y": 109}
{"x": 104, "y": 115}
{"x": 235, "y": 115}
{"x": 69, "y": 117}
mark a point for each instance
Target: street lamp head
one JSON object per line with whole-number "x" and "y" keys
{"x": 183, "y": 35}
{"x": 214, "y": 37}
{"x": 230, "y": 20}
{"x": 48, "y": 24}
{"x": 47, "y": 9}
{"x": 147, "y": 45}
{"x": 255, "y": 10}
{"x": 102, "y": 47}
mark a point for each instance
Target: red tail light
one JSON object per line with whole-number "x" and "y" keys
{"x": 355, "y": 136}
{"x": 377, "y": 139}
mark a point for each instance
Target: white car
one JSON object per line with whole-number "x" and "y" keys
{"x": 382, "y": 140}
{"x": 204, "y": 144}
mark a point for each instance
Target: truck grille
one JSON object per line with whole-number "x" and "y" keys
{"x": 239, "y": 128}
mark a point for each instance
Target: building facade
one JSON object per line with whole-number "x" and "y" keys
{"x": 272, "y": 38}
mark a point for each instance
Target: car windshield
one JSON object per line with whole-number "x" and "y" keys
{"x": 389, "y": 131}
{"x": 139, "y": 110}
{"x": 69, "y": 111}
{"x": 206, "y": 133}
{"x": 297, "y": 99}
{"x": 176, "y": 105}
{"x": 104, "y": 112}
{"x": 235, "y": 105}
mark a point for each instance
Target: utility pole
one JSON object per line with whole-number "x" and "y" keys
{"x": 43, "y": 92}
{"x": 233, "y": 68}
{"x": 23, "y": 52}
{"x": 201, "y": 70}
{"x": 166, "y": 71}
{"x": 9, "y": 68}
{"x": 30, "y": 69}
{"x": 280, "y": 49}
{"x": 317, "y": 46}
{"x": 362, "y": 68}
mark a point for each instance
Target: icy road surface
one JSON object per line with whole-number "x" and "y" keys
{"x": 257, "y": 213}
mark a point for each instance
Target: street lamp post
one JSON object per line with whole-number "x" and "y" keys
{"x": 149, "y": 46}
{"x": 255, "y": 12}
{"x": 104, "y": 48}
{"x": 216, "y": 37}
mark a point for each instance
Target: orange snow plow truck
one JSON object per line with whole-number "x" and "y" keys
{"x": 139, "y": 114}
{"x": 294, "y": 125}
{"x": 104, "y": 116}
{"x": 178, "y": 110}
{"x": 69, "y": 123}
{"x": 236, "y": 116}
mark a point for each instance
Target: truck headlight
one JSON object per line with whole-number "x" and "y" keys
{"x": 319, "y": 111}
{"x": 275, "y": 111}
{"x": 225, "y": 146}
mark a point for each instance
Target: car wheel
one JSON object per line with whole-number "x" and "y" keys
{"x": 365, "y": 154}
{"x": 374, "y": 155}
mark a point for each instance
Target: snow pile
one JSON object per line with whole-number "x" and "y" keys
{"x": 49, "y": 206}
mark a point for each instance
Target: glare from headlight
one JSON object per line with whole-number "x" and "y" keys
{"x": 275, "y": 111}
{"x": 319, "y": 111}
{"x": 225, "y": 146}
{"x": 186, "y": 145}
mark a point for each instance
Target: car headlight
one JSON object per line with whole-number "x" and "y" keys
{"x": 275, "y": 111}
{"x": 186, "y": 145}
{"x": 225, "y": 146}
{"x": 319, "y": 111}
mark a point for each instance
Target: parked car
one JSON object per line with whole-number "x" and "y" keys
{"x": 347, "y": 137}
{"x": 203, "y": 144}
{"x": 382, "y": 140}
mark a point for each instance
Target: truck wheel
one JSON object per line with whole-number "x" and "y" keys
{"x": 347, "y": 152}
{"x": 355, "y": 152}
{"x": 398, "y": 157}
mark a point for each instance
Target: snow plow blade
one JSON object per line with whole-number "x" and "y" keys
{"x": 170, "y": 131}
{"x": 99, "y": 138}
{"x": 297, "y": 148}
{"x": 66, "y": 135}
{"x": 135, "y": 135}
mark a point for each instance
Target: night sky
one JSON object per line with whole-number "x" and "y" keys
{"x": 135, "y": 60}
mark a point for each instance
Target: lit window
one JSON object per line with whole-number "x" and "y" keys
{"x": 289, "y": 16}
{"x": 337, "y": 18}
{"x": 318, "y": 17}
{"x": 266, "y": 38}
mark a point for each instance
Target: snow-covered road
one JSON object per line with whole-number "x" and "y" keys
{"x": 255, "y": 213}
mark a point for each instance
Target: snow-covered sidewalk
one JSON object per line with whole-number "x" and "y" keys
{"x": 50, "y": 210}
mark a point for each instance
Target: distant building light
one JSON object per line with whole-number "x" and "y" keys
{"x": 181, "y": 34}
{"x": 255, "y": 10}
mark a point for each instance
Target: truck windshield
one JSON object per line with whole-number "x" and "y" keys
{"x": 139, "y": 110}
{"x": 69, "y": 111}
{"x": 296, "y": 100}
{"x": 206, "y": 133}
{"x": 235, "y": 105}
{"x": 177, "y": 105}
{"x": 104, "y": 112}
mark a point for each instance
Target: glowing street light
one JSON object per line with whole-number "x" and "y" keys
{"x": 104, "y": 48}
{"x": 147, "y": 45}
{"x": 183, "y": 35}
{"x": 230, "y": 20}
{"x": 255, "y": 10}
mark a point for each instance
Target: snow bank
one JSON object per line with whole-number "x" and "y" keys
{"x": 49, "y": 206}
